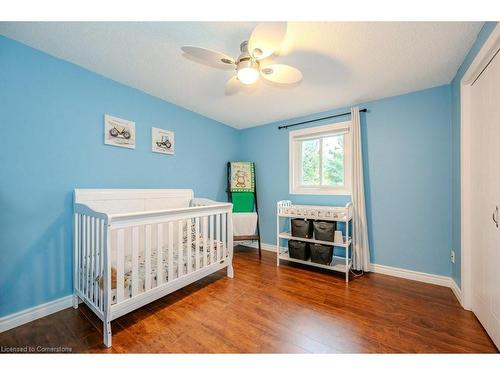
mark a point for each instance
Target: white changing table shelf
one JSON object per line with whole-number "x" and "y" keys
{"x": 287, "y": 210}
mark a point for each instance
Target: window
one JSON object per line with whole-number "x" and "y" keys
{"x": 320, "y": 160}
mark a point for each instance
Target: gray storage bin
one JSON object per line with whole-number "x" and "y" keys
{"x": 302, "y": 228}
{"x": 324, "y": 230}
{"x": 321, "y": 254}
{"x": 299, "y": 250}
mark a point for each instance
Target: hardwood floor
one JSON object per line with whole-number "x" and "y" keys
{"x": 265, "y": 309}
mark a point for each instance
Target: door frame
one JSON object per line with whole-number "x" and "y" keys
{"x": 466, "y": 128}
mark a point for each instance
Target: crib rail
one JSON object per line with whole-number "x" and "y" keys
{"x": 90, "y": 262}
{"x": 126, "y": 260}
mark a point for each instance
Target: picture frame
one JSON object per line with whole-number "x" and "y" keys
{"x": 162, "y": 141}
{"x": 119, "y": 132}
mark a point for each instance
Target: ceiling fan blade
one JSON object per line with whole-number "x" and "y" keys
{"x": 266, "y": 38}
{"x": 233, "y": 86}
{"x": 208, "y": 56}
{"x": 280, "y": 73}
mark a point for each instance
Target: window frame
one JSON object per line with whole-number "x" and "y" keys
{"x": 295, "y": 159}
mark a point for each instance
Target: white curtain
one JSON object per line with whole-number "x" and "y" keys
{"x": 361, "y": 251}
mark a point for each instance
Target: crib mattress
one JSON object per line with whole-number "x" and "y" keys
{"x": 127, "y": 281}
{"x": 165, "y": 270}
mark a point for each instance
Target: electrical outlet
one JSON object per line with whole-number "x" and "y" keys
{"x": 452, "y": 256}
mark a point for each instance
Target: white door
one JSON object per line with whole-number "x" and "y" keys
{"x": 485, "y": 168}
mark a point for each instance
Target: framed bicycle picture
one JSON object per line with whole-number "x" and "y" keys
{"x": 119, "y": 132}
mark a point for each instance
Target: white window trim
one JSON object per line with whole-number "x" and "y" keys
{"x": 295, "y": 154}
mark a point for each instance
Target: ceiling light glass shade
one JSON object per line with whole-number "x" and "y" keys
{"x": 248, "y": 75}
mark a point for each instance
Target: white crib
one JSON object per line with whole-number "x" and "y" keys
{"x": 132, "y": 247}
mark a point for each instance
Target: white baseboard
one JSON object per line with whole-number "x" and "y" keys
{"x": 411, "y": 275}
{"x": 255, "y": 244}
{"x": 33, "y": 313}
{"x": 456, "y": 291}
{"x": 396, "y": 272}
{"x": 419, "y": 276}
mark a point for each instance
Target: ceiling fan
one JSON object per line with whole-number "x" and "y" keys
{"x": 265, "y": 40}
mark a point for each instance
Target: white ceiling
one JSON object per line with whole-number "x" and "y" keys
{"x": 342, "y": 63}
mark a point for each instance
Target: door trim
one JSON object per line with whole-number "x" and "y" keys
{"x": 481, "y": 60}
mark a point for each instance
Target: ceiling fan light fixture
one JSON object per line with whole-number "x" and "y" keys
{"x": 248, "y": 71}
{"x": 248, "y": 75}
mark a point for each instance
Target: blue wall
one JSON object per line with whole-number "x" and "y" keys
{"x": 51, "y": 141}
{"x": 455, "y": 95}
{"x": 407, "y": 158}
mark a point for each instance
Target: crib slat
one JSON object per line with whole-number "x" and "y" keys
{"x": 212, "y": 237}
{"x": 197, "y": 242}
{"x": 96, "y": 261}
{"x": 86, "y": 254}
{"x": 217, "y": 235}
{"x": 120, "y": 265}
{"x": 224, "y": 243}
{"x": 91, "y": 266}
{"x": 189, "y": 233}
{"x": 135, "y": 261}
{"x": 180, "y": 245}
{"x": 205, "y": 239}
{"x": 101, "y": 263}
{"x": 78, "y": 251}
{"x": 170, "y": 259}
{"x": 89, "y": 256}
{"x": 147, "y": 260}
{"x": 159, "y": 255}
{"x": 84, "y": 236}
{"x": 107, "y": 284}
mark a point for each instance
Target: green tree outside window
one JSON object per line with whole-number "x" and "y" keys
{"x": 332, "y": 160}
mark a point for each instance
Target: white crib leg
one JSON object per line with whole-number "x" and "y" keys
{"x": 230, "y": 271}
{"x": 107, "y": 334}
{"x": 76, "y": 301}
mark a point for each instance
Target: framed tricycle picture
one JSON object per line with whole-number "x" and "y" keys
{"x": 162, "y": 141}
{"x": 119, "y": 132}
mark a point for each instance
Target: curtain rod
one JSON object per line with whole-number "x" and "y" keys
{"x": 319, "y": 119}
